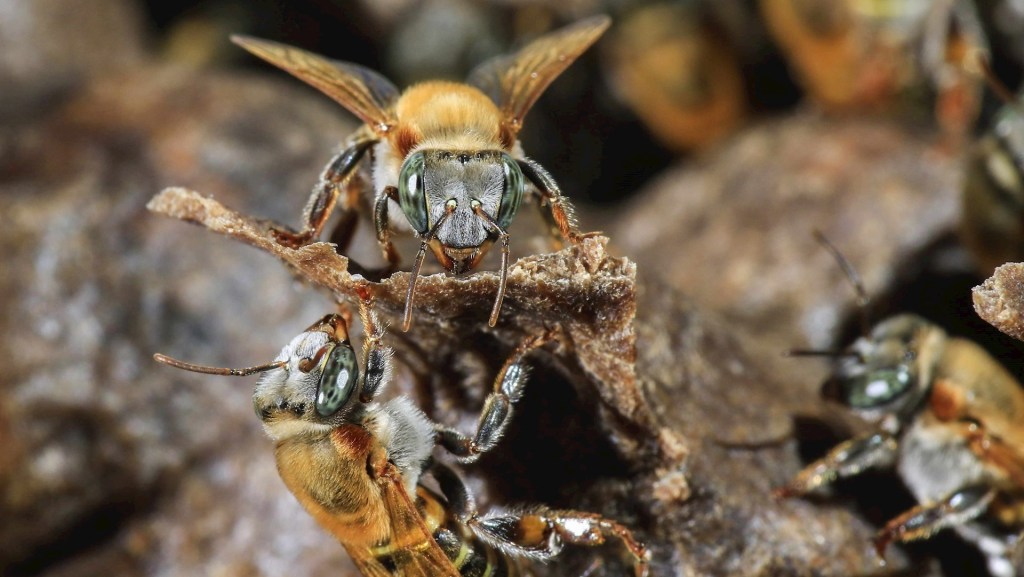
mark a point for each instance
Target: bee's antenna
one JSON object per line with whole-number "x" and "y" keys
{"x": 503, "y": 278}
{"x": 407, "y": 315}
{"x": 851, "y": 275}
{"x": 217, "y": 370}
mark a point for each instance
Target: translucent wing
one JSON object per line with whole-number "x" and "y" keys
{"x": 515, "y": 81}
{"x": 412, "y": 551}
{"x": 362, "y": 91}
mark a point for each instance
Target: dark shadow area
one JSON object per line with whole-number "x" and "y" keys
{"x": 553, "y": 451}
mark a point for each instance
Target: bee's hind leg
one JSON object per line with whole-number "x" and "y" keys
{"x": 325, "y": 195}
{"x": 539, "y": 533}
{"x": 536, "y": 533}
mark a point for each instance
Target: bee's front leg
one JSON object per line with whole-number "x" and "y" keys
{"x": 380, "y": 225}
{"x": 376, "y": 355}
{"x": 923, "y": 521}
{"x": 325, "y": 196}
{"x": 497, "y": 411}
{"x": 560, "y": 215}
{"x": 845, "y": 460}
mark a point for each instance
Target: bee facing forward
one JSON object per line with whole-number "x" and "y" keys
{"x": 355, "y": 464}
{"x": 949, "y": 418}
{"x": 445, "y": 154}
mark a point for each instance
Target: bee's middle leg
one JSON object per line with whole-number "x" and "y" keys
{"x": 561, "y": 216}
{"x": 845, "y": 460}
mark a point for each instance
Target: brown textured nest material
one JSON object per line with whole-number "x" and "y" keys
{"x": 700, "y": 435}
{"x": 1000, "y": 299}
{"x": 588, "y": 294}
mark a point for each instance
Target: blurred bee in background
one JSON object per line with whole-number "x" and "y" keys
{"x": 679, "y": 74}
{"x": 445, "y": 154}
{"x": 356, "y": 464}
{"x": 948, "y": 416}
{"x": 992, "y": 205}
{"x": 882, "y": 54}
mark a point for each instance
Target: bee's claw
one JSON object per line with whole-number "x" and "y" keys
{"x": 292, "y": 240}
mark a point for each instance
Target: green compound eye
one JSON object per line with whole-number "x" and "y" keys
{"x": 411, "y": 194}
{"x": 513, "y": 193}
{"x": 337, "y": 381}
{"x": 878, "y": 387}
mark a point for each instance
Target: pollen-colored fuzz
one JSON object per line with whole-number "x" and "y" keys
{"x": 405, "y": 139}
{"x": 947, "y": 401}
{"x": 447, "y": 115}
{"x": 532, "y": 529}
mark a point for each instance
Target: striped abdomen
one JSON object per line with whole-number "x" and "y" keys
{"x": 470, "y": 556}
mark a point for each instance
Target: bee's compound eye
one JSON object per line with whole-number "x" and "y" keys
{"x": 411, "y": 195}
{"x": 513, "y": 193}
{"x": 337, "y": 381}
{"x": 879, "y": 387}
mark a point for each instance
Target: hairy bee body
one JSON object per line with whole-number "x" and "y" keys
{"x": 330, "y": 474}
{"x": 888, "y": 55}
{"x": 356, "y": 463}
{"x": 445, "y": 155}
{"x": 950, "y": 419}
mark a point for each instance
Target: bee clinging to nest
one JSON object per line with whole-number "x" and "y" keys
{"x": 947, "y": 416}
{"x": 357, "y": 464}
{"x": 444, "y": 154}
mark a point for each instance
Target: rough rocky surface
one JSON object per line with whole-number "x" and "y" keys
{"x": 734, "y": 229}
{"x": 94, "y": 431}
{"x": 48, "y": 47}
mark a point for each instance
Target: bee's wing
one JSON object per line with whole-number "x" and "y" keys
{"x": 515, "y": 81}
{"x": 413, "y": 551}
{"x": 362, "y": 91}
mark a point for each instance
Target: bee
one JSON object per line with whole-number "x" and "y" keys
{"x": 678, "y": 75}
{"x": 992, "y": 204}
{"x": 357, "y": 464}
{"x": 871, "y": 54}
{"x": 948, "y": 417}
{"x": 445, "y": 154}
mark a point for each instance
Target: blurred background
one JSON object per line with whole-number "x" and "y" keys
{"x": 706, "y": 138}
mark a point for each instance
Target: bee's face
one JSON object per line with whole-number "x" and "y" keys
{"x": 890, "y": 369}
{"x": 316, "y": 383}
{"x": 433, "y": 183}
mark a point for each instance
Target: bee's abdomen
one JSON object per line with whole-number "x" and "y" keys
{"x": 471, "y": 556}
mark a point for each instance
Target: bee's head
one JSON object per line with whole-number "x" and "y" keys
{"x": 310, "y": 386}
{"x": 889, "y": 370}
{"x": 315, "y": 383}
{"x": 460, "y": 201}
